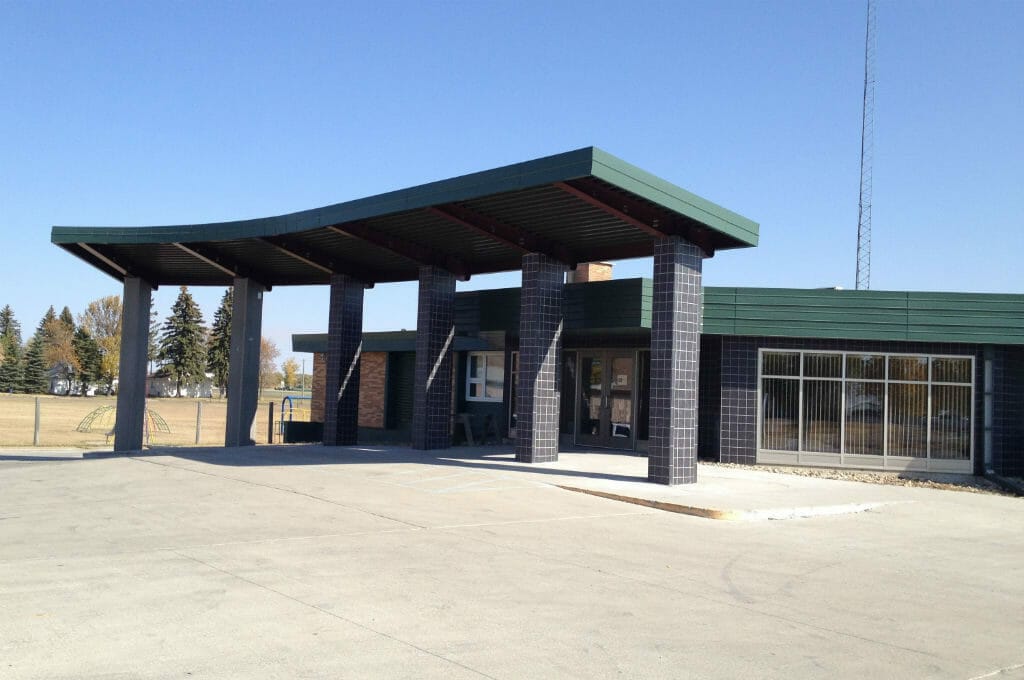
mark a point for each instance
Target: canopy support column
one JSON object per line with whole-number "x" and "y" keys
{"x": 131, "y": 384}
{"x": 344, "y": 349}
{"x": 244, "y": 369}
{"x": 435, "y": 337}
{"x": 675, "y": 362}
{"x": 540, "y": 334}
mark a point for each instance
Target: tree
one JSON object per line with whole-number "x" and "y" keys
{"x": 89, "y": 358}
{"x": 153, "y": 350}
{"x": 10, "y": 365}
{"x": 218, "y": 352}
{"x": 290, "y": 371}
{"x": 66, "y": 318}
{"x": 59, "y": 346}
{"x": 268, "y": 355}
{"x": 33, "y": 377}
{"x": 102, "y": 321}
{"x": 10, "y": 351}
{"x": 9, "y": 326}
{"x": 182, "y": 346}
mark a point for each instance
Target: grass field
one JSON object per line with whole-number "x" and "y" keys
{"x": 60, "y": 416}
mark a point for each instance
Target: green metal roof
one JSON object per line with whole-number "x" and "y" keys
{"x": 580, "y": 206}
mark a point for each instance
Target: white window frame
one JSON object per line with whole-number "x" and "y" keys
{"x": 482, "y": 379}
{"x": 843, "y": 459}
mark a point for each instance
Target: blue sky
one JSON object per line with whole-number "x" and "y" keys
{"x": 164, "y": 113}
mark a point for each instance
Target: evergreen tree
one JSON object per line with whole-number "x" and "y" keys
{"x": 66, "y": 318}
{"x": 10, "y": 351}
{"x": 182, "y": 342}
{"x": 9, "y": 326}
{"x": 218, "y": 352}
{"x": 153, "y": 352}
{"x": 10, "y": 366}
{"x": 33, "y": 378}
{"x": 42, "y": 330}
{"x": 89, "y": 359}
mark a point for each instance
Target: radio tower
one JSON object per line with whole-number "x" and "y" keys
{"x": 867, "y": 134}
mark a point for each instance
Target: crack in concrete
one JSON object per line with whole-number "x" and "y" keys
{"x": 335, "y": 615}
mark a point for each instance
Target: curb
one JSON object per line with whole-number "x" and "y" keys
{"x": 734, "y": 515}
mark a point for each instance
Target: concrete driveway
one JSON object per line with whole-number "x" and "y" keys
{"x": 304, "y": 562}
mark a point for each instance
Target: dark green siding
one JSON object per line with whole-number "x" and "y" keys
{"x": 625, "y": 303}
{"x": 865, "y": 315}
{"x": 400, "y": 378}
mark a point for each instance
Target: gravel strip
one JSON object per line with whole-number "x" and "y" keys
{"x": 926, "y": 480}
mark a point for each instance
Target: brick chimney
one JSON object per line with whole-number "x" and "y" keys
{"x": 590, "y": 271}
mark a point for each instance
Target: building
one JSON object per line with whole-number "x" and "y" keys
{"x": 861, "y": 379}
{"x": 546, "y": 217}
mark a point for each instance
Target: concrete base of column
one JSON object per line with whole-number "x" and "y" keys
{"x": 244, "y": 369}
{"x": 675, "y": 366}
{"x": 344, "y": 348}
{"x": 435, "y": 335}
{"x": 540, "y": 332}
{"x": 129, "y": 427}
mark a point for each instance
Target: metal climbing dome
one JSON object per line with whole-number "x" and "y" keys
{"x": 103, "y": 418}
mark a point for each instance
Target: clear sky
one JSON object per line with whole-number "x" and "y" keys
{"x": 146, "y": 113}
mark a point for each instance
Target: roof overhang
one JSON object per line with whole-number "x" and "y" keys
{"x": 580, "y": 206}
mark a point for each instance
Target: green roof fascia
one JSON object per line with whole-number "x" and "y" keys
{"x": 562, "y": 167}
{"x": 381, "y": 341}
{"x": 626, "y": 176}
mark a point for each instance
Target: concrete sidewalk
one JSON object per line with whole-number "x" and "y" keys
{"x": 722, "y": 493}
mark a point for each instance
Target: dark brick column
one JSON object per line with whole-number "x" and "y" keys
{"x": 540, "y": 333}
{"x": 675, "y": 350}
{"x": 344, "y": 347}
{"x": 435, "y": 334}
{"x": 738, "y": 434}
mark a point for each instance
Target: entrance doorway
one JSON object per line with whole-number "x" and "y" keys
{"x": 607, "y": 387}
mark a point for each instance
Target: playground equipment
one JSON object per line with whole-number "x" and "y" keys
{"x": 103, "y": 418}
{"x": 294, "y": 424}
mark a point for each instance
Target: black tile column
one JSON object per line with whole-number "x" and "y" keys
{"x": 540, "y": 332}
{"x": 738, "y": 434}
{"x": 675, "y": 349}
{"x": 435, "y": 333}
{"x": 344, "y": 346}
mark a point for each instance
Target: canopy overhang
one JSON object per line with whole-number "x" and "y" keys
{"x": 580, "y": 206}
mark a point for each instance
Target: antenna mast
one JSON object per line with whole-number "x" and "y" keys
{"x": 867, "y": 138}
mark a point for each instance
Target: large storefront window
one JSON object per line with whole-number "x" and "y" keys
{"x": 866, "y": 410}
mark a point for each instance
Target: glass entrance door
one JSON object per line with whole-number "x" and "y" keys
{"x": 606, "y": 404}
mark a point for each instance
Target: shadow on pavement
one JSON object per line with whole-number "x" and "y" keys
{"x": 498, "y": 458}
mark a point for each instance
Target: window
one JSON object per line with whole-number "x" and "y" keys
{"x": 485, "y": 376}
{"x": 862, "y": 407}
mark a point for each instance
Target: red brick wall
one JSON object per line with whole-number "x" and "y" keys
{"x": 372, "y": 372}
{"x": 316, "y": 406}
{"x": 591, "y": 271}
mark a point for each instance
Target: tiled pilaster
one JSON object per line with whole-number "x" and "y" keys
{"x": 675, "y": 349}
{"x": 344, "y": 346}
{"x": 435, "y": 335}
{"x": 738, "y": 433}
{"x": 540, "y": 332}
